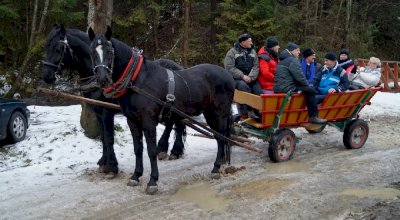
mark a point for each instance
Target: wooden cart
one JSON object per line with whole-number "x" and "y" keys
{"x": 280, "y": 112}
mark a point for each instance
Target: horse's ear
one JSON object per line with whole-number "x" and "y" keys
{"x": 108, "y": 33}
{"x": 62, "y": 29}
{"x": 91, "y": 34}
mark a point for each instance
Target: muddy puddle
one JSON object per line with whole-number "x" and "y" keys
{"x": 265, "y": 188}
{"x": 287, "y": 167}
{"x": 202, "y": 195}
{"x": 383, "y": 193}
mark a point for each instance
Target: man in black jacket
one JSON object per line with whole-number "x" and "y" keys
{"x": 242, "y": 62}
{"x": 289, "y": 77}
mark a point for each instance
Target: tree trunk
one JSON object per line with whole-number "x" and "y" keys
{"x": 186, "y": 33}
{"x": 213, "y": 28}
{"x": 99, "y": 17}
{"x": 335, "y": 25}
{"x": 18, "y": 79}
{"x": 347, "y": 27}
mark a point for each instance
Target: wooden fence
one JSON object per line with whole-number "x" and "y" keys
{"x": 390, "y": 74}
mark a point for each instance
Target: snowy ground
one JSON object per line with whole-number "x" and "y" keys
{"x": 53, "y": 175}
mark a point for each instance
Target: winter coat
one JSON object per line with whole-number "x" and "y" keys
{"x": 310, "y": 71}
{"x": 267, "y": 64}
{"x": 288, "y": 75}
{"x": 328, "y": 78}
{"x": 240, "y": 61}
{"x": 367, "y": 77}
{"x": 348, "y": 65}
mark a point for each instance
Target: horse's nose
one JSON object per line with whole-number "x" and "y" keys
{"x": 102, "y": 82}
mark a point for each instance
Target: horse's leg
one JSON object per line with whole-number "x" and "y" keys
{"x": 220, "y": 122}
{"x": 180, "y": 134}
{"x": 108, "y": 137}
{"x": 149, "y": 129}
{"x": 137, "y": 136}
{"x": 103, "y": 159}
{"x": 162, "y": 146}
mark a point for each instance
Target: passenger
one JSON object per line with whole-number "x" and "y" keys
{"x": 242, "y": 62}
{"x": 309, "y": 66}
{"x": 268, "y": 60}
{"x": 346, "y": 62}
{"x": 289, "y": 77}
{"x": 331, "y": 79}
{"x": 366, "y": 77}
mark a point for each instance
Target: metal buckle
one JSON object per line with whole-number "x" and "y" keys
{"x": 170, "y": 98}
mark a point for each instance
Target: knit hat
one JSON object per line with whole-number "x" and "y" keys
{"x": 344, "y": 51}
{"x": 292, "y": 46}
{"x": 244, "y": 37}
{"x": 271, "y": 42}
{"x": 330, "y": 56}
{"x": 308, "y": 52}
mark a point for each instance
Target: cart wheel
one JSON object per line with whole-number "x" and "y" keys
{"x": 355, "y": 134}
{"x": 282, "y": 145}
{"x": 317, "y": 130}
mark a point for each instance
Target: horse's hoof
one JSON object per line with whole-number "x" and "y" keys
{"x": 101, "y": 169}
{"x": 110, "y": 175}
{"x": 173, "y": 157}
{"x": 132, "y": 182}
{"x": 162, "y": 155}
{"x": 215, "y": 176}
{"x": 151, "y": 190}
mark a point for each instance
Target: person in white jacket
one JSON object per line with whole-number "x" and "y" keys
{"x": 366, "y": 77}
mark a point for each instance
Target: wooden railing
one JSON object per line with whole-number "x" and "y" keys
{"x": 390, "y": 74}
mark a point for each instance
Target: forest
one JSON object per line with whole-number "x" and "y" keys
{"x": 193, "y": 32}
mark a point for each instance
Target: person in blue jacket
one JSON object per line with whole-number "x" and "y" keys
{"x": 332, "y": 78}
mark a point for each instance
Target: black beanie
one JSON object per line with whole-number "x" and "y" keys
{"x": 308, "y": 52}
{"x": 244, "y": 37}
{"x": 292, "y": 46}
{"x": 344, "y": 51}
{"x": 271, "y": 42}
{"x": 330, "y": 56}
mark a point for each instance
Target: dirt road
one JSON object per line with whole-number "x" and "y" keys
{"x": 322, "y": 181}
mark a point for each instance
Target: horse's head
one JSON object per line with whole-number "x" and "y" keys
{"x": 58, "y": 54}
{"x": 102, "y": 54}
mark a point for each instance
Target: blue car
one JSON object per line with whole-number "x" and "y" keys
{"x": 14, "y": 120}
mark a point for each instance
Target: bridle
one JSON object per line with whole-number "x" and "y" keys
{"x": 61, "y": 62}
{"x": 108, "y": 68}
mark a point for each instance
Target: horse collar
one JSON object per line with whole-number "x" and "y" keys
{"x": 129, "y": 75}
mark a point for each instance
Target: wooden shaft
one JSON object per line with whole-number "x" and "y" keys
{"x": 79, "y": 98}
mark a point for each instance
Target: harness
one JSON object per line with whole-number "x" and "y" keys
{"x": 130, "y": 74}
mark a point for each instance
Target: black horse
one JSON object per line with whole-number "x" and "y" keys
{"x": 69, "y": 48}
{"x": 204, "y": 88}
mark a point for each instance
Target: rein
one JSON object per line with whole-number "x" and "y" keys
{"x": 129, "y": 75}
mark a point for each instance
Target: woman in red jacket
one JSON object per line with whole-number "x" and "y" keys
{"x": 268, "y": 60}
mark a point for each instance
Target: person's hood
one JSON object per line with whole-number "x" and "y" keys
{"x": 285, "y": 54}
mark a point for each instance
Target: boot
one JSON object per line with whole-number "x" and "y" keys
{"x": 316, "y": 120}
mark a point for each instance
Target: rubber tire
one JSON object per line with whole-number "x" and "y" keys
{"x": 273, "y": 148}
{"x": 18, "y": 133}
{"x": 316, "y": 131}
{"x": 349, "y": 133}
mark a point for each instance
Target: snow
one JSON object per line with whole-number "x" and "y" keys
{"x": 55, "y": 146}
